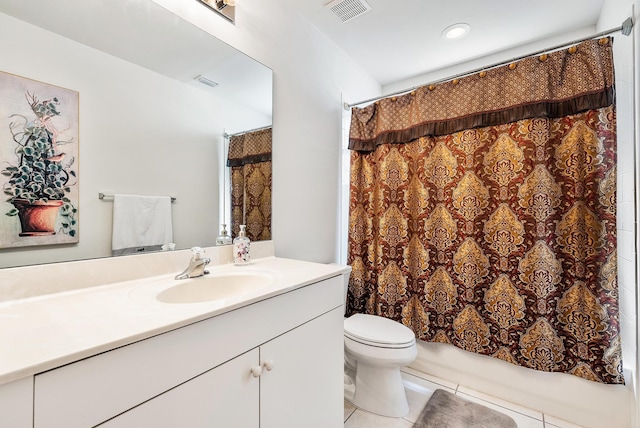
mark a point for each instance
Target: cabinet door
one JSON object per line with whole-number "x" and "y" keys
{"x": 224, "y": 397}
{"x": 305, "y": 386}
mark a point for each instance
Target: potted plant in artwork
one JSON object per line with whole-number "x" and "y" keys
{"x": 41, "y": 178}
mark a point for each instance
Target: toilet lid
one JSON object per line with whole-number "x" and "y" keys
{"x": 378, "y": 331}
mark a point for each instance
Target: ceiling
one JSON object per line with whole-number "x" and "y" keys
{"x": 399, "y": 39}
{"x": 152, "y": 37}
{"x": 395, "y": 40}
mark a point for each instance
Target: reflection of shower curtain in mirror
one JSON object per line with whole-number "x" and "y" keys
{"x": 250, "y": 162}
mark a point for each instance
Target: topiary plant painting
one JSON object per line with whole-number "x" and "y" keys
{"x": 42, "y": 174}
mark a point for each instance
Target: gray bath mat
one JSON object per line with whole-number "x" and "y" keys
{"x": 445, "y": 410}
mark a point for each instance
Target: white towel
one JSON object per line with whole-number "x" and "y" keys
{"x": 140, "y": 223}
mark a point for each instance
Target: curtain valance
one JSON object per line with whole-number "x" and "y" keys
{"x": 552, "y": 85}
{"x": 252, "y": 147}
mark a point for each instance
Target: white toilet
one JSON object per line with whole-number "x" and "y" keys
{"x": 374, "y": 349}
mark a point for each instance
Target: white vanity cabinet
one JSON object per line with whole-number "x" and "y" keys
{"x": 289, "y": 381}
{"x": 201, "y": 374}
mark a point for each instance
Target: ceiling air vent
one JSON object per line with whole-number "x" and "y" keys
{"x": 205, "y": 81}
{"x": 347, "y": 10}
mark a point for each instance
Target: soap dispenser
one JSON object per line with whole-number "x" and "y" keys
{"x": 241, "y": 245}
{"x": 223, "y": 238}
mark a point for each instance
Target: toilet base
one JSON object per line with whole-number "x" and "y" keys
{"x": 379, "y": 390}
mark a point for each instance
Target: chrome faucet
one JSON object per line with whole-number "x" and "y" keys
{"x": 196, "y": 265}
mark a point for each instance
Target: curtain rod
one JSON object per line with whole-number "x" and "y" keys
{"x": 246, "y": 132}
{"x": 625, "y": 28}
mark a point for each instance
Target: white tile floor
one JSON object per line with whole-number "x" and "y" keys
{"x": 420, "y": 386}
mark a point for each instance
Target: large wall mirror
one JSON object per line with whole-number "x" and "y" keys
{"x": 158, "y": 100}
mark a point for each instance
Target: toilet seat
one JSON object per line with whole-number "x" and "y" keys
{"x": 379, "y": 332}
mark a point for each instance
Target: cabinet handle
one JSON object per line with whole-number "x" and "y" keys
{"x": 256, "y": 371}
{"x": 268, "y": 365}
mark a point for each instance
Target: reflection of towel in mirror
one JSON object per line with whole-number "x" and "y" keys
{"x": 140, "y": 223}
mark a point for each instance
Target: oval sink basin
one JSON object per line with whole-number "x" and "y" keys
{"x": 213, "y": 287}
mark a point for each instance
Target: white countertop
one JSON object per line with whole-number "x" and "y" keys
{"x": 44, "y": 332}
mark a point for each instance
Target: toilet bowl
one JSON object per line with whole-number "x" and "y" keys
{"x": 375, "y": 349}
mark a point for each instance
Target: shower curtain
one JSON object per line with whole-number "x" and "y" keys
{"x": 483, "y": 212}
{"x": 250, "y": 161}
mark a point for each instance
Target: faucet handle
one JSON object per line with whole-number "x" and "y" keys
{"x": 197, "y": 253}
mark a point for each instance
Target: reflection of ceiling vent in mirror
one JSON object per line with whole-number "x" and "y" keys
{"x": 347, "y": 10}
{"x": 206, "y": 81}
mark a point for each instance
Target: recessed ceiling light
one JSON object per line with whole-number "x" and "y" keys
{"x": 456, "y": 31}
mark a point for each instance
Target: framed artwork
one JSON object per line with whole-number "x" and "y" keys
{"x": 38, "y": 163}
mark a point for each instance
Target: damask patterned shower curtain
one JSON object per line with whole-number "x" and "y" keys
{"x": 250, "y": 162}
{"x": 483, "y": 213}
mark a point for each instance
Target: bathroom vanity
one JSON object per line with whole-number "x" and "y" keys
{"x": 267, "y": 357}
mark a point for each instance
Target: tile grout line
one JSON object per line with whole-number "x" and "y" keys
{"x": 539, "y": 417}
{"x": 507, "y": 408}
{"x": 457, "y": 392}
{"x": 427, "y": 380}
{"x": 350, "y": 414}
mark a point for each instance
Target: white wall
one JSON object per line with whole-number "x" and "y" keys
{"x": 310, "y": 74}
{"x": 140, "y": 132}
